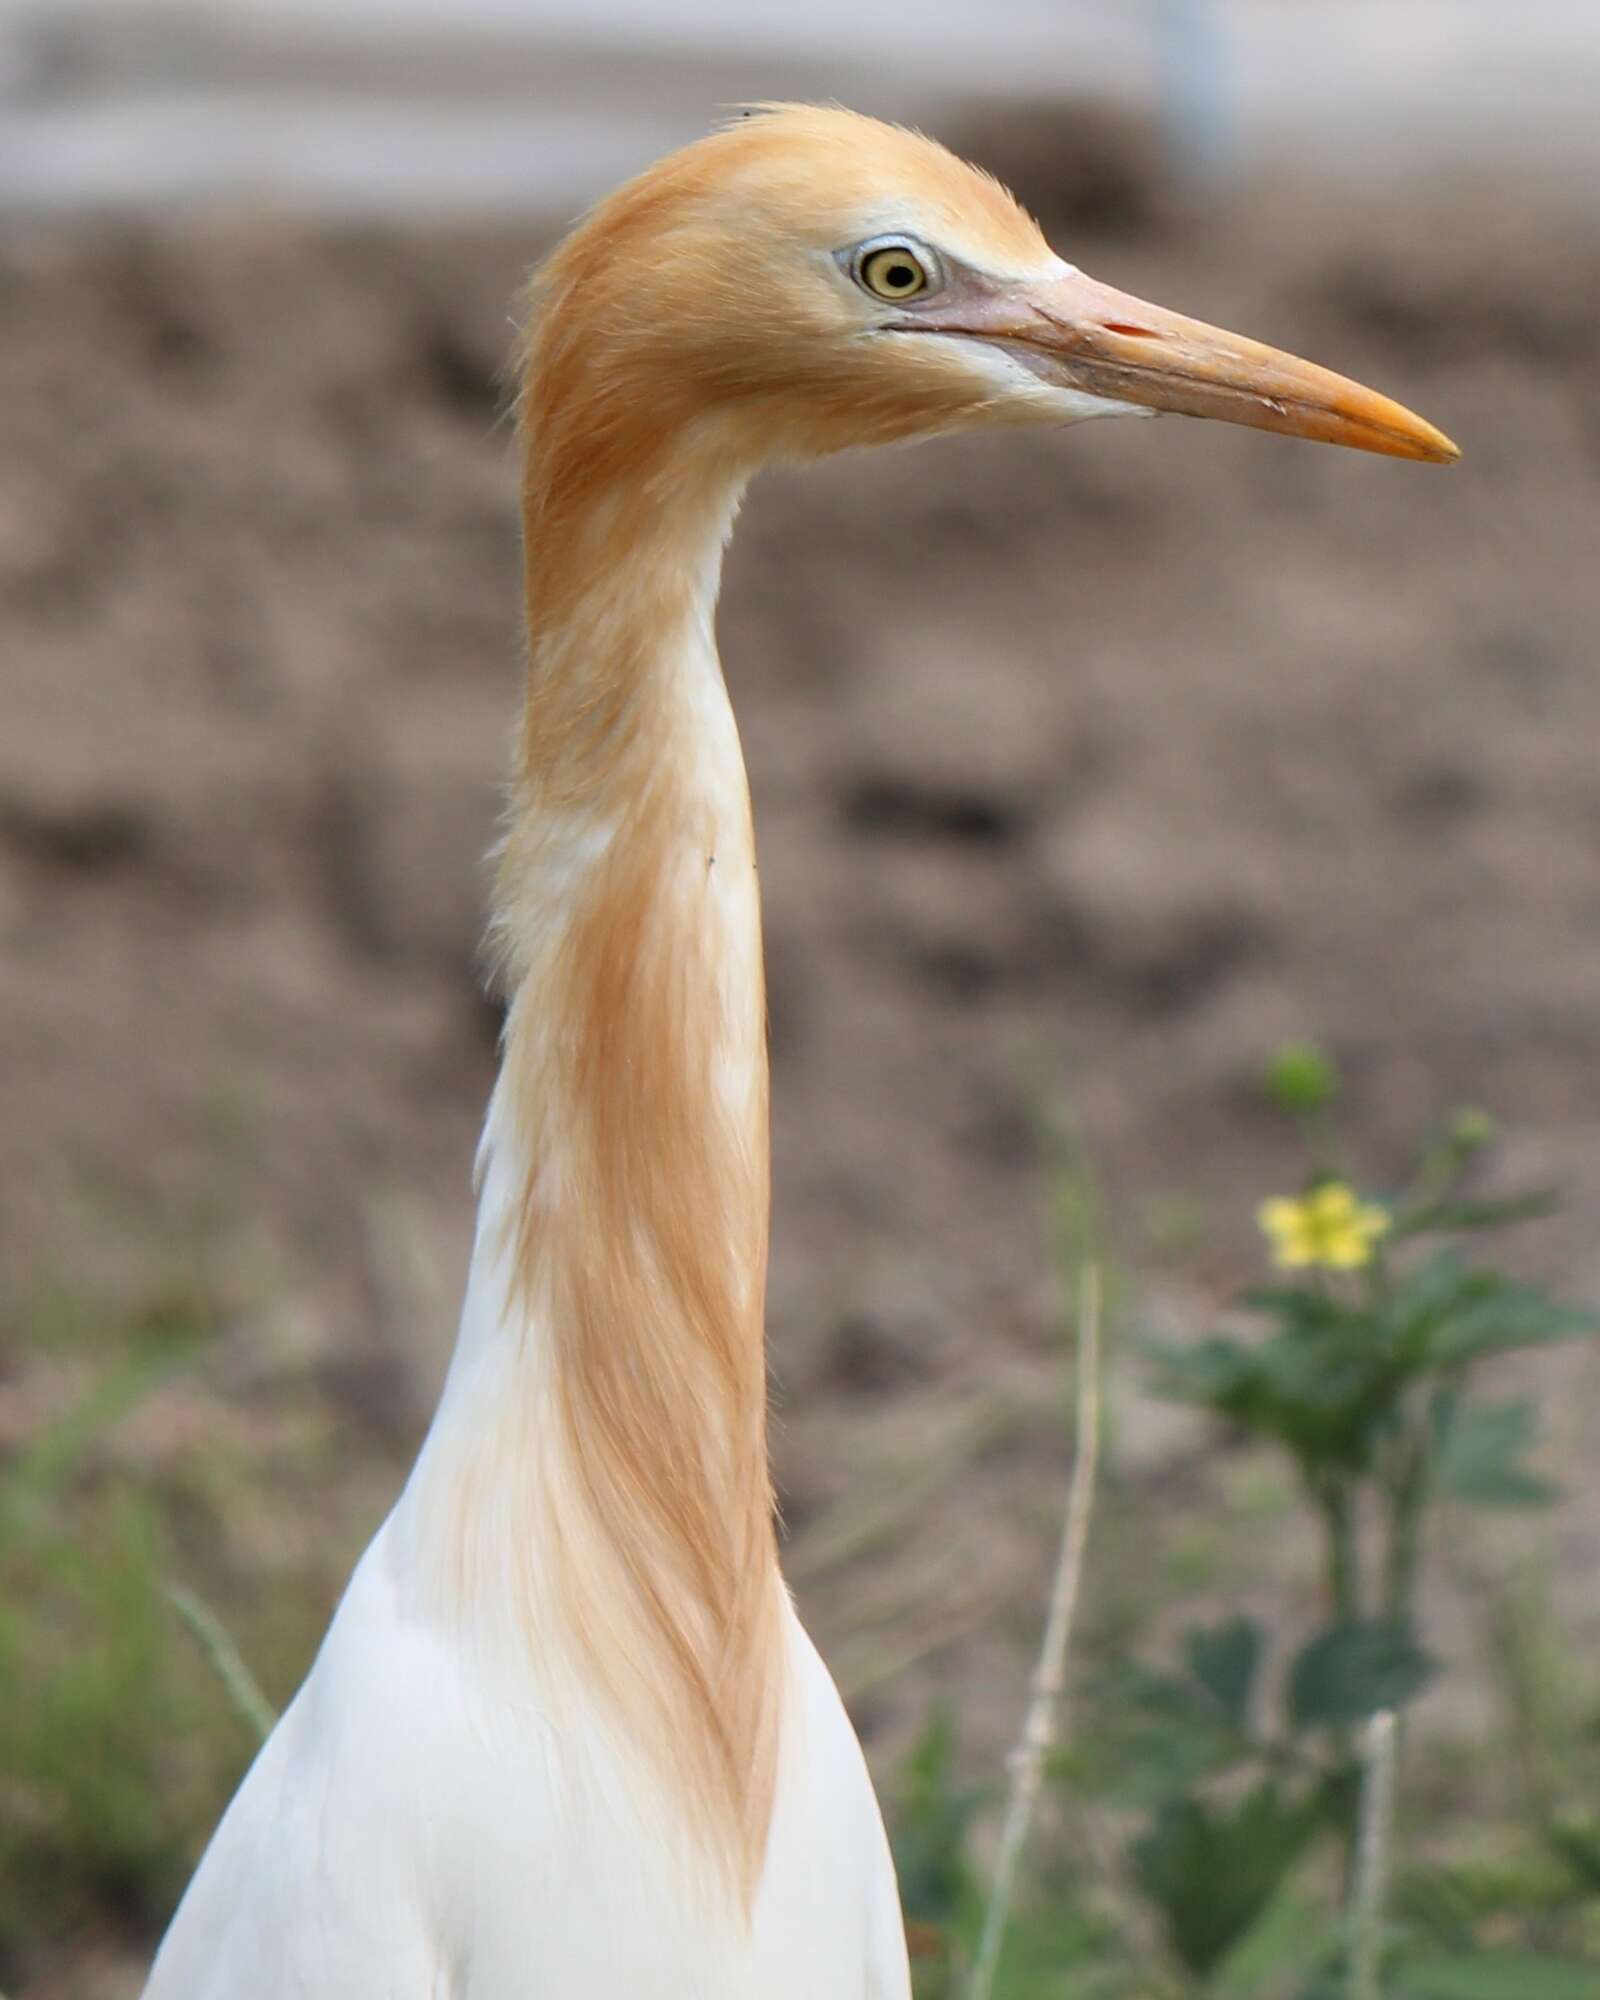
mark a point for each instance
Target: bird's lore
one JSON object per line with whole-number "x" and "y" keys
{"x": 565, "y": 1735}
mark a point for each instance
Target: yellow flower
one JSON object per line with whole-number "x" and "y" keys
{"x": 1327, "y": 1227}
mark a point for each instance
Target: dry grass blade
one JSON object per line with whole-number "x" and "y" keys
{"x": 863, "y": 1668}
{"x": 903, "y": 1490}
{"x": 1372, "y": 1858}
{"x": 224, "y": 1656}
{"x": 1041, "y": 1721}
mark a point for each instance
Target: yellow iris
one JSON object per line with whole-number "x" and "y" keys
{"x": 1327, "y": 1227}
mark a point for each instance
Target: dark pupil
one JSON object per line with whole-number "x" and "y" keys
{"x": 900, "y": 275}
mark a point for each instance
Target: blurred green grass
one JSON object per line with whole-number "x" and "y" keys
{"x": 118, "y": 1742}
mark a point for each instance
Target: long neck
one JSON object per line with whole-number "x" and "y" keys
{"x": 625, "y": 1201}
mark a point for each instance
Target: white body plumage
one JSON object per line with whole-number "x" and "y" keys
{"x": 426, "y": 1823}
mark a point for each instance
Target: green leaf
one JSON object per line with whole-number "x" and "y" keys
{"x": 1318, "y": 1387}
{"x": 1302, "y": 1308}
{"x": 1576, "y": 1839}
{"x": 1286, "y": 1943}
{"x": 1213, "y": 1872}
{"x": 1481, "y": 1452}
{"x": 934, "y": 1813}
{"x": 1351, "y": 1670}
{"x": 1224, "y": 1659}
{"x": 1496, "y": 1976}
{"x": 1464, "y": 1215}
{"x": 1449, "y": 1904}
{"x": 1326, "y": 1382}
{"x": 1201, "y": 1371}
{"x": 1455, "y": 1314}
{"x": 1155, "y": 1737}
{"x": 1058, "y": 1947}
{"x": 1165, "y": 1760}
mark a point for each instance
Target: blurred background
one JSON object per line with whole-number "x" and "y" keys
{"x": 1087, "y": 771}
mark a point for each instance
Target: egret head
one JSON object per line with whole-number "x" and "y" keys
{"x": 806, "y": 279}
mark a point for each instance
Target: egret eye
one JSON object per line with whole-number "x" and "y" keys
{"x": 892, "y": 271}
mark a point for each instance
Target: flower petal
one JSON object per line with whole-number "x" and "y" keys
{"x": 1332, "y": 1205}
{"x": 1281, "y": 1216}
{"x": 1346, "y": 1251}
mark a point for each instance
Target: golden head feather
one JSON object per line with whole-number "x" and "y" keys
{"x": 725, "y": 299}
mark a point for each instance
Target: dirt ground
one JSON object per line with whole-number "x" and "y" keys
{"x": 1125, "y": 754}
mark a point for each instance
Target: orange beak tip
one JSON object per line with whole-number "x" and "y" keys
{"x": 1393, "y": 429}
{"x": 1130, "y": 351}
{"x": 1432, "y": 447}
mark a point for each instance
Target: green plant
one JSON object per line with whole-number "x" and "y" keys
{"x": 1361, "y": 1369}
{"x": 108, "y": 1757}
{"x": 83, "y": 1708}
{"x": 1229, "y": 1824}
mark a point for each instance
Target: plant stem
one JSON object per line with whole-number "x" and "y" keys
{"x": 1372, "y": 1858}
{"x": 1408, "y": 1502}
{"x": 1039, "y": 1726}
{"x": 1344, "y": 1574}
{"x": 1336, "y": 1499}
{"x": 1319, "y": 1134}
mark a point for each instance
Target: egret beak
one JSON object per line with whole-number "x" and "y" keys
{"x": 1084, "y": 335}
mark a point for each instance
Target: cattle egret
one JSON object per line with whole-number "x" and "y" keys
{"x": 566, "y": 1739}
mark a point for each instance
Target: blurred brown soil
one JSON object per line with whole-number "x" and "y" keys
{"x": 1126, "y": 753}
